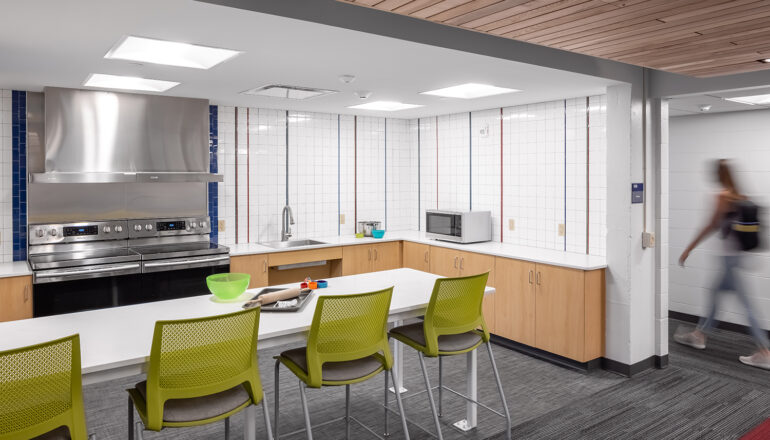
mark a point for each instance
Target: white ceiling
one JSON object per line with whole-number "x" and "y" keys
{"x": 690, "y": 105}
{"x": 58, "y": 43}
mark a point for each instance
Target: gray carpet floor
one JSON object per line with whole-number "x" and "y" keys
{"x": 702, "y": 394}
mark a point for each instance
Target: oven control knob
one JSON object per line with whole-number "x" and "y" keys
{"x": 203, "y": 225}
{"x": 52, "y": 232}
{"x": 118, "y": 228}
{"x": 40, "y": 233}
{"x": 148, "y": 227}
{"x": 107, "y": 229}
{"x": 193, "y": 225}
{"x": 137, "y": 227}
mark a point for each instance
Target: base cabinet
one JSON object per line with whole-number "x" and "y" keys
{"x": 515, "y": 300}
{"x": 371, "y": 257}
{"x": 254, "y": 265}
{"x": 15, "y": 298}
{"x": 417, "y": 256}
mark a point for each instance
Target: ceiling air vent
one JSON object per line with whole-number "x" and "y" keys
{"x": 288, "y": 92}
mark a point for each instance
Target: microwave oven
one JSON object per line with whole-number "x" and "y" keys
{"x": 459, "y": 227}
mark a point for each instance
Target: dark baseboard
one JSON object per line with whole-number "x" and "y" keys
{"x": 555, "y": 359}
{"x": 729, "y": 326}
{"x": 634, "y": 369}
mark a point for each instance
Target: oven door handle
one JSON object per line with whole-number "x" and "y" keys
{"x": 186, "y": 261}
{"x": 85, "y": 272}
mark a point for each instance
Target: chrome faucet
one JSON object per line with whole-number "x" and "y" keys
{"x": 287, "y": 219}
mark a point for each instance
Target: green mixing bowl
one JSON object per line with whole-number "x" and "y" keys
{"x": 228, "y": 285}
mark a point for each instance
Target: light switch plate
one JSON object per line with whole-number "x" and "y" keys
{"x": 342, "y": 219}
{"x": 562, "y": 229}
{"x": 221, "y": 226}
{"x": 511, "y": 224}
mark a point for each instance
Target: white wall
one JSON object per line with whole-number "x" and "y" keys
{"x": 6, "y": 221}
{"x": 695, "y": 142}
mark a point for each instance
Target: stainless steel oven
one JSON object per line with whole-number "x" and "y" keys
{"x": 91, "y": 265}
{"x": 460, "y": 227}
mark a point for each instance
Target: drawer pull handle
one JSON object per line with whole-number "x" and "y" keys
{"x": 26, "y": 293}
{"x": 456, "y": 262}
{"x": 538, "y": 278}
{"x": 375, "y": 254}
{"x": 264, "y": 266}
{"x": 462, "y": 262}
{"x": 426, "y": 256}
{"x": 531, "y": 273}
{"x": 370, "y": 255}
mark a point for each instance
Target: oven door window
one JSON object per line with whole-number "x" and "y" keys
{"x": 173, "y": 284}
{"x": 444, "y": 224}
{"x": 85, "y": 294}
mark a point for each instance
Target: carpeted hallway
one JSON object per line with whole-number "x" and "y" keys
{"x": 702, "y": 394}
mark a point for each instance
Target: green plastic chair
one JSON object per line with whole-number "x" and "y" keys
{"x": 201, "y": 370}
{"x": 41, "y": 395}
{"x": 347, "y": 344}
{"x": 451, "y": 327}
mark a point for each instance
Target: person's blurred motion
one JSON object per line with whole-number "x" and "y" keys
{"x": 733, "y": 216}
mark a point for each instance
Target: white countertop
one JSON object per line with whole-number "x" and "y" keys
{"x": 505, "y": 250}
{"x": 121, "y": 337}
{"x": 14, "y": 269}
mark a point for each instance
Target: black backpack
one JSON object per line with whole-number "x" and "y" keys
{"x": 745, "y": 224}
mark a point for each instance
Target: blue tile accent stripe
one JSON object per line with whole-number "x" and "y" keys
{"x": 19, "y": 173}
{"x": 213, "y": 168}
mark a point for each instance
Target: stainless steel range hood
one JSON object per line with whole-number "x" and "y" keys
{"x": 108, "y": 137}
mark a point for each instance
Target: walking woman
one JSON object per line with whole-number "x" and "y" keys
{"x": 722, "y": 219}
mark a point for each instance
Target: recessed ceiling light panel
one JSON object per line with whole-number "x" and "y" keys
{"x": 470, "y": 91}
{"x": 752, "y": 100}
{"x": 104, "y": 81}
{"x": 288, "y": 92}
{"x": 170, "y": 53}
{"x": 385, "y": 106}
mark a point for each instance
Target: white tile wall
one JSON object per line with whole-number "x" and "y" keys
{"x": 370, "y": 169}
{"x": 453, "y": 166}
{"x": 226, "y": 160}
{"x": 428, "y": 166}
{"x": 267, "y": 173}
{"x": 347, "y": 173}
{"x": 401, "y": 174}
{"x": 597, "y": 186}
{"x": 694, "y": 143}
{"x": 576, "y": 129}
{"x": 6, "y": 192}
{"x": 485, "y": 173}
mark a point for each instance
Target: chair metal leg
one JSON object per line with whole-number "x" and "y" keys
{"x": 227, "y": 428}
{"x": 139, "y": 430}
{"x": 440, "y": 386}
{"x": 387, "y": 431}
{"x": 401, "y": 406}
{"x": 130, "y": 419}
{"x": 347, "y": 412}
{"x": 500, "y": 389}
{"x": 430, "y": 395}
{"x": 277, "y": 396}
{"x": 266, "y": 414}
{"x": 306, "y": 410}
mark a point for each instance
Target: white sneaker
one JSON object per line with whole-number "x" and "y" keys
{"x": 758, "y": 360}
{"x": 691, "y": 340}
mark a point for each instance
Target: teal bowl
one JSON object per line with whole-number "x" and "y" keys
{"x": 228, "y": 285}
{"x": 378, "y": 233}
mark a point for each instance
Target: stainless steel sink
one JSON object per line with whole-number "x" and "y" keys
{"x": 291, "y": 243}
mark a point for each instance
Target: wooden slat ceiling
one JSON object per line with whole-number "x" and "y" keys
{"x": 699, "y": 38}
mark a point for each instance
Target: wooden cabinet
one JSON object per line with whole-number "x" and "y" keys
{"x": 254, "y": 265}
{"x": 371, "y": 257}
{"x": 416, "y": 256}
{"x": 15, "y": 298}
{"x": 515, "y": 300}
{"x": 555, "y": 309}
{"x": 453, "y": 263}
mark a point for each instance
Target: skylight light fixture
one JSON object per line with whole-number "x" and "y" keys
{"x": 751, "y": 100}
{"x": 385, "y": 106}
{"x": 104, "y": 81}
{"x": 470, "y": 91}
{"x": 288, "y": 92}
{"x": 170, "y": 53}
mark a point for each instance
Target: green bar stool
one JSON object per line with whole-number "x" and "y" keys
{"x": 450, "y": 328}
{"x": 41, "y": 396}
{"x": 201, "y": 370}
{"x": 347, "y": 344}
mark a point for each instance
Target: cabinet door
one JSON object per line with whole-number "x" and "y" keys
{"x": 386, "y": 256}
{"x": 417, "y": 256}
{"x": 357, "y": 259}
{"x": 474, "y": 264}
{"x": 515, "y": 300}
{"x": 15, "y": 298}
{"x": 444, "y": 261}
{"x": 254, "y": 265}
{"x": 560, "y": 311}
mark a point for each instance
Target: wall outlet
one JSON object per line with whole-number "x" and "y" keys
{"x": 221, "y": 226}
{"x": 511, "y": 224}
{"x": 342, "y": 219}
{"x": 562, "y": 229}
{"x": 484, "y": 131}
{"x": 648, "y": 240}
